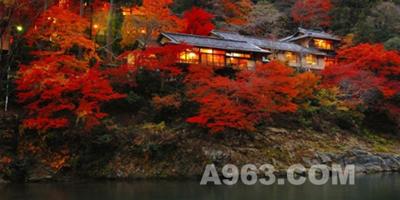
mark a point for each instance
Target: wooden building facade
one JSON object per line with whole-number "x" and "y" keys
{"x": 216, "y": 51}
{"x": 305, "y": 50}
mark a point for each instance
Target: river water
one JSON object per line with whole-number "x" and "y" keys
{"x": 371, "y": 187}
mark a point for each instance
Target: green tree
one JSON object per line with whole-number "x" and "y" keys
{"x": 266, "y": 20}
{"x": 393, "y": 43}
{"x": 346, "y": 14}
{"x": 381, "y": 24}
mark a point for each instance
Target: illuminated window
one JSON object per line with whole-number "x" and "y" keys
{"x": 189, "y": 57}
{"x": 311, "y": 60}
{"x": 208, "y": 51}
{"x": 211, "y": 51}
{"x": 218, "y": 52}
{"x": 212, "y": 59}
{"x": 239, "y": 63}
{"x": 323, "y": 44}
{"x": 239, "y": 60}
{"x": 291, "y": 58}
{"x": 238, "y": 55}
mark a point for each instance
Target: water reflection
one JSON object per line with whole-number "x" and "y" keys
{"x": 372, "y": 187}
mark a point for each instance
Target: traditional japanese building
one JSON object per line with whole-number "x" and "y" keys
{"x": 319, "y": 40}
{"x": 292, "y": 54}
{"x": 211, "y": 50}
{"x": 306, "y": 49}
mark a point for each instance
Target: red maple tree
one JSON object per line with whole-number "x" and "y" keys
{"x": 236, "y": 11}
{"x": 58, "y": 87}
{"x": 307, "y": 85}
{"x": 365, "y": 67}
{"x": 160, "y": 59}
{"x": 312, "y": 13}
{"x": 365, "y": 71}
{"x": 199, "y": 21}
{"x": 244, "y": 102}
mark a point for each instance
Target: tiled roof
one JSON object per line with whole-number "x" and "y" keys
{"x": 267, "y": 44}
{"x": 213, "y": 42}
{"x": 304, "y": 33}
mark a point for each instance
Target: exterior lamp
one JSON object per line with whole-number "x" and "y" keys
{"x": 19, "y": 28}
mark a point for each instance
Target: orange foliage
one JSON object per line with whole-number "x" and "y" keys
{"x": 364, "y": 69}
{"x": 242, "y": 103}
{"x": 154, "y": 58}
{"x": 198, "y": 21}
{"x": 62, "y": 29}
{"x": 307, "y": 84}
{"x": 366, "y": 66}
{"x": 58, "y": 86}
{"x": 153, "y": 18}
{"x": 237, "y": 11}
{"x": 172, "y": 101}
{"x": 57, "y": 160}
{"x": 5, "y": 160}
{"x": 312, "y": 13}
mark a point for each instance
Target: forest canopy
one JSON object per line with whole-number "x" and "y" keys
{"x": 66, "y": 61}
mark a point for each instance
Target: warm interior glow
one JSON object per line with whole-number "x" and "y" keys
{"x": 210, "y": 51}
{"x": 291, "y": 58}
{"x": 128, "y": 11}
{"x": 238, "y": 55}
{"x": 189, "y": 57}
{"x": 323, "y": 44}
{"x": 216, "y": 57}
{"x": 239, "y": 60}
{"x": 311, "y": 60}
{"x": 238, "y": 63}
{"x": 213, "y": 59}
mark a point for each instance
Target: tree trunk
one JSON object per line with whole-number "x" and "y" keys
{"x": 81, "y": 8}
{"x": 109, "y": 32}
{"x": 91, "y": 20}
{"x": 45, "y": 5}
{"x": 7, "y": 88}
{"x": 81, "y": 13}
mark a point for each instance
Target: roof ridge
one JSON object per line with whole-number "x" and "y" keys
{"x": 320, "y": 31}
{"x": 174, "y": 37}
{"x": 313, "y": 30}
{"x": 245, "y": 39}
{"x": 251, "y": 36}
{"x": 261, "y": 38}
{"x": 204, "y": 36}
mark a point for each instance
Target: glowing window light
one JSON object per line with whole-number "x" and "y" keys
{"x": 311, "y": 59}
{"x": 189, "y": 57}
{"x": 210, "y": 51}
{"x": 238, "y": 55}
{"x": 323, "y": 44}
{"x": 291, "y": 58}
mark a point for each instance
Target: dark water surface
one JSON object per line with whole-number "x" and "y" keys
{"x": 371, "y": 187}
